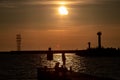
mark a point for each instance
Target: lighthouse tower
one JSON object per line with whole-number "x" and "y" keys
{"x": 99, "y": 39}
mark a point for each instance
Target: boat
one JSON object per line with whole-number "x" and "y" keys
{"x": 44, "y": 73}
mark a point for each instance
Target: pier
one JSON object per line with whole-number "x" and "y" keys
{"x": 48, "y": 51}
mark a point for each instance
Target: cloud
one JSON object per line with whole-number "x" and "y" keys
{"x": 14, "y": 3}
{"x": 6, "y": 4}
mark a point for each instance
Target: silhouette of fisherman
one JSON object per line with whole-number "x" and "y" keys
{"x": 57, "y": 67}
{"x": 64, "y": 59}
{"x": 60, "y": 72}
{"x": 57, "y": 70}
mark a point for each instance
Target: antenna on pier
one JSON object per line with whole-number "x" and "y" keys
{"x": 18, "y": 40}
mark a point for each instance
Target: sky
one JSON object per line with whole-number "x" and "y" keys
{"x": 41, "y": 26}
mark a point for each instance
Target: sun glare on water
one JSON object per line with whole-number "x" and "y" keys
{"x": 63, "y": 10}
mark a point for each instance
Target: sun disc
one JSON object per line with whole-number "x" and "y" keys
{"x": 63, "y": 10}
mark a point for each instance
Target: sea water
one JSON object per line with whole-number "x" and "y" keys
{"x": 24, "y": 66}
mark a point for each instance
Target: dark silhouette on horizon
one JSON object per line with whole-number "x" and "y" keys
{"x": 99, "y": 39}
{"x": 89, "y": 45}
{"x": 98, "y": 51}
{"x": 18, "y": 40}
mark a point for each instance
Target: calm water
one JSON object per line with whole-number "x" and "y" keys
{"x": 23, "y": 66}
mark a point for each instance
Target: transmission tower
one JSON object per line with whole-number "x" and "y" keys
{"x": 18, "y": 40}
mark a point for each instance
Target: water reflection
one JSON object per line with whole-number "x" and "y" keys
{"x": 73, "y": 60}
{"x": 100, "y": 66}
{"x": 23, "y": 66}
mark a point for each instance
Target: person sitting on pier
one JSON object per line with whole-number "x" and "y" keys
{"x": 57, "y": 69}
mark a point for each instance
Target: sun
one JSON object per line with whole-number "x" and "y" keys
{"x": 63, "y": 10}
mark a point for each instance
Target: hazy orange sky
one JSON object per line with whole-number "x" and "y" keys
{"x": 41, "y": 26}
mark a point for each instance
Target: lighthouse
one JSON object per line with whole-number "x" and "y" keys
{"x": 99, "y": 39}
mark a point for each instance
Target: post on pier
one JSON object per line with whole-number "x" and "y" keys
{"x": 64, "y": 59}
{"x": 49, "y": 54}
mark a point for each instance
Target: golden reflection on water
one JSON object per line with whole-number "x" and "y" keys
{"x": 72, "y": 60}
